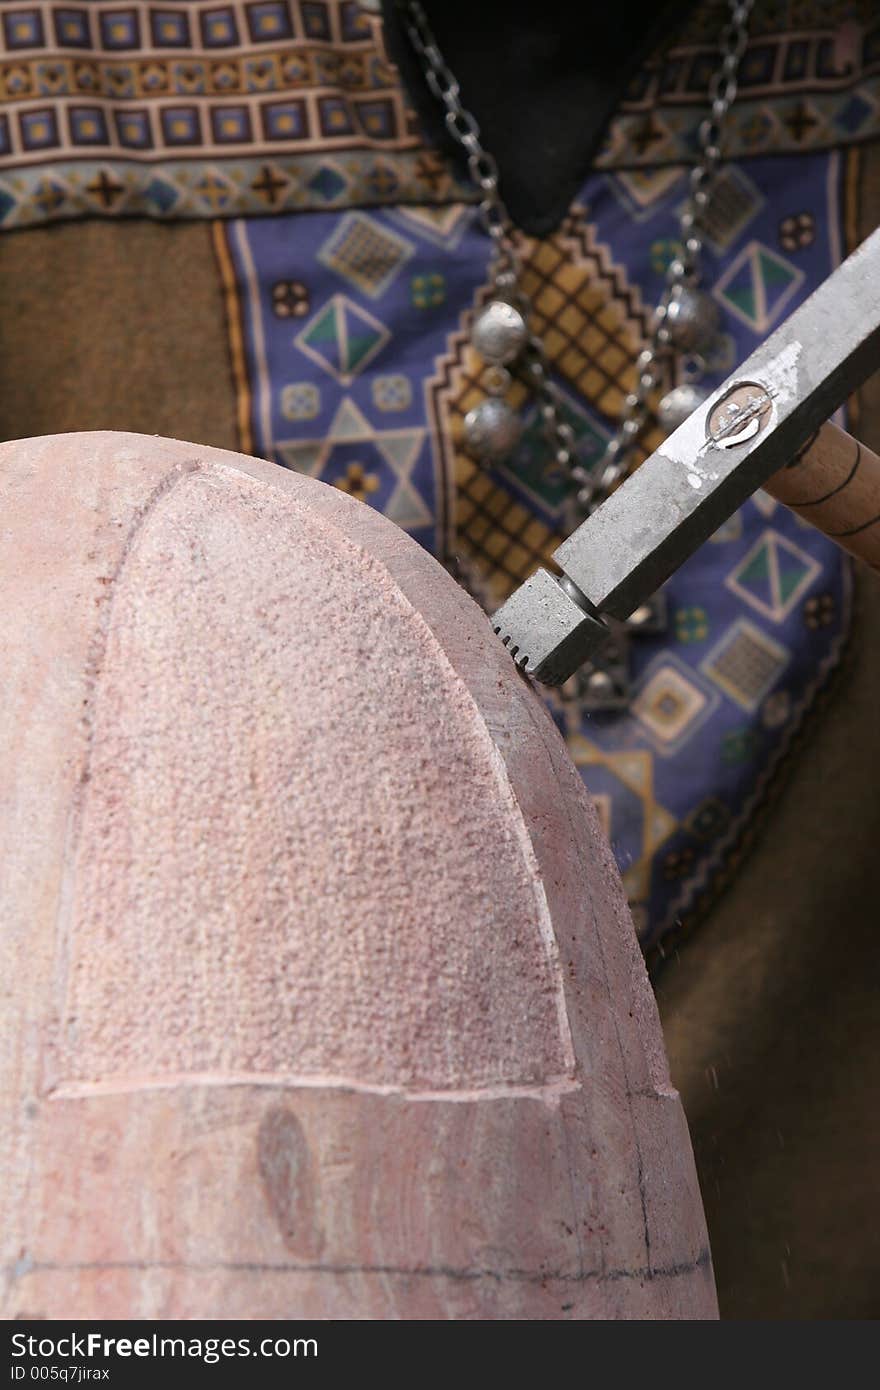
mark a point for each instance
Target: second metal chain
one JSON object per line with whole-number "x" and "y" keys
{"x": 679, "y": 307}
{"x": 682, "y": 275}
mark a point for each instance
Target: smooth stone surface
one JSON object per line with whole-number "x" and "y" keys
{"x": 321, "y": 997}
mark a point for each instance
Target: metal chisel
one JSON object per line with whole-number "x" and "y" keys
{"x": 749, "y": 429}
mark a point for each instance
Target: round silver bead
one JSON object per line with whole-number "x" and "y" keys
{"x": 500, "y": 332}
{"x": 491, "y": 429}
{"x": 693, "y": 319}
{"x": 600, "y": 685}
{"x": 641, "y": 616}
{"x": 679, "y": 403}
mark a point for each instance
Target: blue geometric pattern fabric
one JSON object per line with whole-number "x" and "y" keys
{"x": 353, "y": 265}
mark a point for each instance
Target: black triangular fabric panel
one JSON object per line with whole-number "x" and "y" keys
{"x": 542, "y": 80}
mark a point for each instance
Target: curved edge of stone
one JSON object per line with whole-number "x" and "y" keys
{"x": 652, "y": 1259}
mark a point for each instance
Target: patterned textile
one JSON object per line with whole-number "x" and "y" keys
{"x": 201, "y": 110}
{"x": 355, "y": 367}
{"x": 348, "y": 330}
{"x": 258, "y": 106}
{"x": 809, "y": 80}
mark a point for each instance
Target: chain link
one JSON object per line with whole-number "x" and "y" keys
{"x": 590, "y": 488}
{"x": 683, "y": 271}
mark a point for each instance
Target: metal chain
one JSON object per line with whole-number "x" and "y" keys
{"x": 496, "y": 222}
{"x": 683, "y": 271}
{"x": 591, "y": 488}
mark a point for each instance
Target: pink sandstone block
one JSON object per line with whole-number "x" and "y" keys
{"x": 321, "y": 997}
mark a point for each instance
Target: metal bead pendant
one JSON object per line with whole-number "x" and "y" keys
{"x": 600, "y": 685}
{"x": 693, "y": 319}
{"x": 500, "y": 332}
{"x": 491, "y": 429}
{"x": 679, "y": 403}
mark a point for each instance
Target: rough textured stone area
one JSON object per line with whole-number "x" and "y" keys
{"x": 321, "y": 996}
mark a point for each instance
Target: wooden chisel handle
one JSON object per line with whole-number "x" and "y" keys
{"x": 834, "y": 483}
